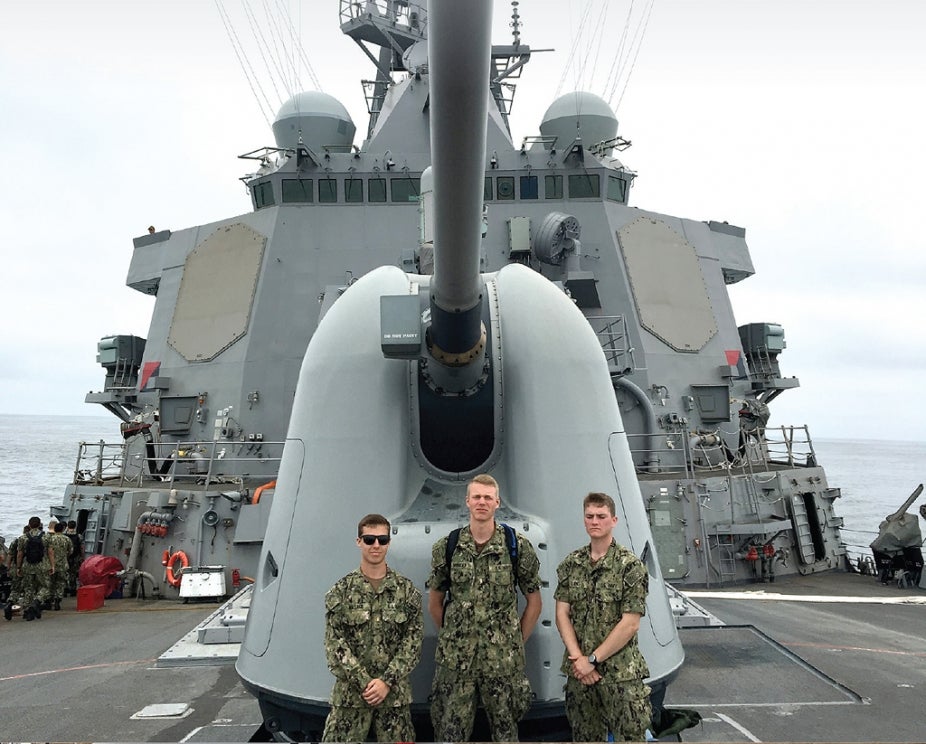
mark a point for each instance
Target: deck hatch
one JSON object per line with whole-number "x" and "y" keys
{"x": 739, "y": 665}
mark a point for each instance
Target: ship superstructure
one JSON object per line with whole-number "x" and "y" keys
{"x": 206, "y": 398}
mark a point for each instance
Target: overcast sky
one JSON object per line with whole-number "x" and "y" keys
{"x": 800, "y": 120}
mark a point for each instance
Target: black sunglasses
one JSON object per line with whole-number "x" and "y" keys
{"x": 370, "y": 539}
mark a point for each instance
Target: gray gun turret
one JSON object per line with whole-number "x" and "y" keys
{"x": 508, "y": 365}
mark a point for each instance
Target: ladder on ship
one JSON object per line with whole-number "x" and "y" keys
{"x": 802, "y": 529}
{"x": 96, "y": 529}
{"x": 726, "y": 558}
{"x": 725, "y": 544}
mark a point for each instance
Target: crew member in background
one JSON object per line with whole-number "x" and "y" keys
{"x": 76, "y": 558}
{"x": 600, "y": 598}
{"x": 35, "y": 562}
{"x": 62, "y": 547}
{"x": 373, "y": 635}
{"x": 16, "y": 580}
{"x": 5, "y": 576}
{"x": 480, "y": 642}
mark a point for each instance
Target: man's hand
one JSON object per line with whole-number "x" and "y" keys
{"x": 375, "y": 692}
{"x": 583, "y": 670}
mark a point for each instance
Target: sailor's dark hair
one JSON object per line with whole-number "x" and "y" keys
{"x": 370, "y": 520}
{"x": 600, "y": 499}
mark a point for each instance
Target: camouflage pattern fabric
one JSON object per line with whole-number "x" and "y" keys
{"x": 599, "y": 594}
{"x": 621, "y": 709}
{"x": 353, "y": 724}
{"x": 15, "y": 577}
{"x": 62, "y": 547}
{"x": 453, "y": 703}
{"x": 74, "y": 564}
{"x": 372, "y": 634}
{"x": 36, "y": 580}
{"x": 481, "y": 635}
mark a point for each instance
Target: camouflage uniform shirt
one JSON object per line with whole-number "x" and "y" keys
{"x": 372, "y": 634}
{"x": 62, "y": 547}
{"x": 599, "y": 594}
{"x": 43, "y": 566}
{"x": 481, "y": 631}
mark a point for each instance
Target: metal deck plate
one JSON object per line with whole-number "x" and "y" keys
{"x": 216, "y": 640}
{"x": 738, "y": 665}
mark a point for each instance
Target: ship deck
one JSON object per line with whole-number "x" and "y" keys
{"x": 838, "y": 657}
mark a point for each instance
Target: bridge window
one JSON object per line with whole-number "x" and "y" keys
{"x": 504, "y": 187}
{"x": 353, "y": 190}
{"x": 263, "y": 194}
{"x": 405, "y": 189}
{"x": 327, "y": 190}
{"x": 487, "y": 190}
{"x": 528, "y": 187}
{"x": 617, "y": 189}
{"x": 297, "y": 190}
{"x": 553, "y": 187}
{"x": 584, "y": 186}
{"x": 376, "y": 189}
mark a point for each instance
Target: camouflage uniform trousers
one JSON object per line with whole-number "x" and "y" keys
{"x": 74, "y": 564}
{"x": 619, "y": 708}
{"x": 58, "y": 581}
{"x": 16, "y": 585}
{"x": 392, "y": 723}
{"x": 62, "y": 548}
{"x": 35, "y": 583}
{"x": 453, "y": 703}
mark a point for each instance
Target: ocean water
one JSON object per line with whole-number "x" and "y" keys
{"x": 38, "y": 455}
{"x": 37, "y": 459}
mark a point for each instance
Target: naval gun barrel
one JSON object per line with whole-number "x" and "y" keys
{"x": 906, "y": 504}
{"x": 459, "y": 53}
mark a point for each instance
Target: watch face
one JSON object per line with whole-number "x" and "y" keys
{"x": 592, "y": 659}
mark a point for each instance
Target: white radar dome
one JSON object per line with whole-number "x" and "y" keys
{"x": 321, "y": 120}
{"x": 579, "y": 114}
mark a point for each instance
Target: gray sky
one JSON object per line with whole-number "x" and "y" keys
{"x": 800, "y": 120}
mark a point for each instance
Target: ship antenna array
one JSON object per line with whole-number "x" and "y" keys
{"x": 623, "y": 60}
{"x": 281, "y": 51}
{"x": 515, "y": 25}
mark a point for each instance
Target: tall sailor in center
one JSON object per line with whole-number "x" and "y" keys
{"x": 472, "y": 598}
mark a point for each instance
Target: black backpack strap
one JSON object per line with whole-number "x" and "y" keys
{"x": 511, "y": 542}
{"x": 452, "y": 540}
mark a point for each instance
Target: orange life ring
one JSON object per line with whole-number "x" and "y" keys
{"x": 184, "y": 562}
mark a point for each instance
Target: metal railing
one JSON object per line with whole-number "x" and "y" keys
{"x": 676, "y": 454}
{"x": 175, "y": 463}
{"x": 789, "y": 445}
{"x": 612, "y": 335}
{"x": 99, "y": 462}
{"x": 409, "y": 17}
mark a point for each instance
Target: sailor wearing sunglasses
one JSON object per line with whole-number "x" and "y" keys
{"x": 373, "y": 633}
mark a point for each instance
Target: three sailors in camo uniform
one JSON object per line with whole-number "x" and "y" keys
{"x": 373, "y": 631}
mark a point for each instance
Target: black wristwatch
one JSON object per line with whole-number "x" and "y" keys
{"x": 593, "y": 660}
